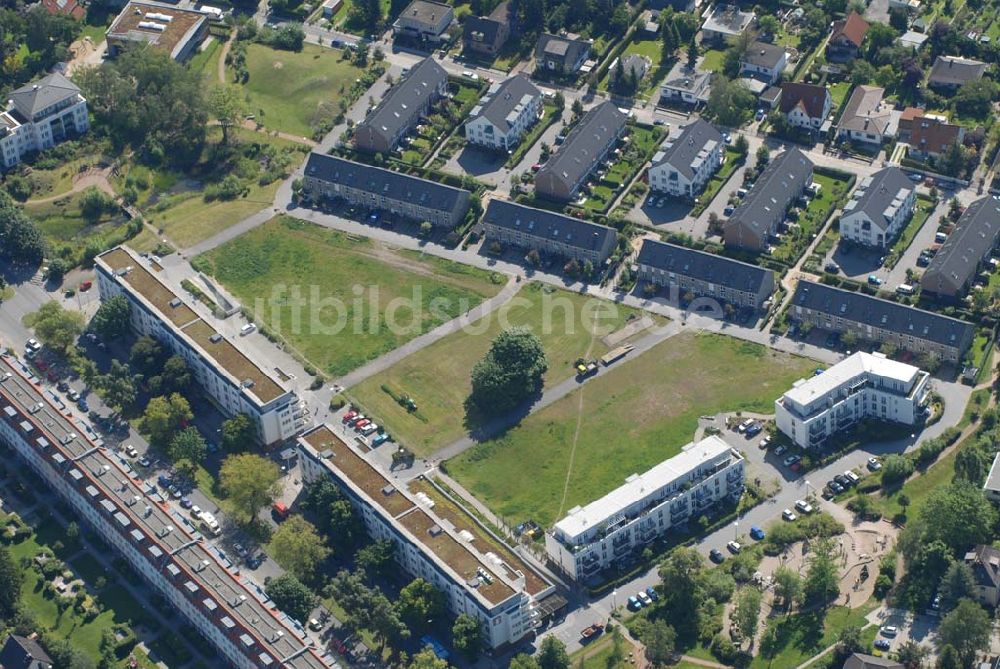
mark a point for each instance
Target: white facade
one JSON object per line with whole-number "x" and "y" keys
{"x": 881, "y": 221}
{"x": 991, "y": 488}
{"x": 503, "y": 134}
{"x": 481, "y": 585}
{"x": 161, "y": 545}
{"x": 801, "y": 119}
{"x": 865, "y": 385}
{"x": 274, "y": 409}
{"x": 31, "y": 123}
{"x": 700, "y": 162}
{"x": 610, "y": 529}
{"x": 768, "y": 73}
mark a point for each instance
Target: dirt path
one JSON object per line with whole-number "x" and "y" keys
{"x": 223, "y": 55}
{"x": 251, "y": 125}
{"x": 92, "y": 177}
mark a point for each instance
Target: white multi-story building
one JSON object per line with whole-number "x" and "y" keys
{"x": 233, "y": 382}
{"x": 610, "y": 529}
{"x": 504, "y": 114}
{"x": 862, "y": 386}
{"x": 687, "y": 160}
{"x": 475, "y": 578}
{"x": 159, "y": 542}
{"x": 39, "y": 116}
{"x": 879, "y": 208}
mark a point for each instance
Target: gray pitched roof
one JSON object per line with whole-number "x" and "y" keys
{"x": 393, "y": 185}
{"x": 865, "y": 112}
{"x": 560, "y": 47}
{"x": 504, "y": 99}
{"x": 879, "y": 194}
{"x": 23, "y": 653}
{"x": 635, "y": 63}
{"x": 883, "y": 314}
{"x": 763, "y": 54}
{"x": 487, "y": 26}
{"x": 581, "y": 150}
{"x": 862, "y": 661}
{"x": 702, "y": 265}
{"x": 955, "y": 71}
{"x": 47, "y": 91}
{"x": 985, "y": 564}
{"x": 681, "y": 152}
{"x": 394, "y": 111}
{"x": 543, "y": 223}
{"x": 776, "y": 188}
{"x": 975, "y": 234}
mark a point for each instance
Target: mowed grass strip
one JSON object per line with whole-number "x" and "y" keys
{"x": 438, "y": 377}
{"x": 633, "y": 418}
{"x": 289, "y": 87}
{"x": 343, "y": 284}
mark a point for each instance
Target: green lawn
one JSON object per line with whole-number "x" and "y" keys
{"x": 921, "y": 212}
{"x": 714, "y": 59}
{"x": 335, "y": 332}
{"x": 69, "y": 234}
{"x": 802, "y": 635}
{"x": 838, "y": 92}
{"x": 626, "y": 421}
{"x": 832, "y": 193}
{"x": 176, "y": 202}
{"x": 206, "y": 62}
{"x": 437, "y": 377}
{"x": 288, "y": 89}
{"x": 640, "y": 148}
{"x": 650, "y": 48}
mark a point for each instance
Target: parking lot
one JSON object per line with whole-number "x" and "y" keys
{"x": 917, "y": 627}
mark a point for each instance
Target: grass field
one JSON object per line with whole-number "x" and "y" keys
{"x": 206, "y": 62}
{"x": 286, "y": 89}
{"x": 287, "y": 254}
{"x": 175, "y": 202}
{"x": 838, "y": 92}
{"x": 832, "y": 193}
{"x": 69, "y": 233}
{"x": 630, "y": 420}
{"x": 437, "y": 377}
{"x": 800, "y": 636}
{"x": 714, "y": 59}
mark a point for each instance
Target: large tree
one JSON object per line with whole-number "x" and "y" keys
{"x": 426, "y": 659}
{"x": 118, "y": 386}
{"x": 787, "y": 586}
{"x": 958, "y": 583}
{"x": 165, "y": 417}
{"x": 958, "y": 515}
{"x": 822, "y": 582}
{"x": 251, "y": 482}
{"x": 146, "y": 356}
{"x": 467, "y": 636}
{"x": 21, "y": 241}
{"x": 112, "y": 318}
{"x": 967, "y": 628}
{"x": 228, "y": 106}
{"x": 291, "y": 596}
{"x": 552, "y": 654}
{"x": 10, "y": 583}
{"x": 419, "y": 603}
{"x": 730, "y": 102}
{"x": 660, "y": 641}
{"x": 747, "y": 613}
{"x": 188, "y": 444}
{"x": 238, "y": 434}
{"x": 298, "y": 547}
{"x": 56, "y": 327}
{"x": 510, "y": 373}
{"x": 681, "y": 574}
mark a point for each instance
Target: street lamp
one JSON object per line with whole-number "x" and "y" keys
{"x": 736, "y": 530}
{"x": 614, "y": 600}
{"x": 808, "y": 487}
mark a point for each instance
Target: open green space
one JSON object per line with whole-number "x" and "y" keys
{"x": 328, "y": 321}
{"x": 445, "y": 117}
{"x": 623, "y": 422}
{"x": 228, "y": 184}
{"x": 438, "y": 377}
{"x": 801, "y": 635}
{"x": 714, "y": 60}
{"x": 289, "y": 91}
{"x": 838, "y": 92}
{"x": 642, "y": 143}
{"x": 71, "y": 235}
{"x": 652, "y": 49}
{"x": 206, "y": 61}
{"x": 921, "y": 212}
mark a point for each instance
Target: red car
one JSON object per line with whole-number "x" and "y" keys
{"x": 85, "y": 286}
{"x": 361, "y": 423}
{"x": 349, "y": 416}
{"x": 41, "y": 365}
{"x": 536, "y": 167}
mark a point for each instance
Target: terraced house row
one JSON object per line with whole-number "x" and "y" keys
{"x": 229, "y": 610}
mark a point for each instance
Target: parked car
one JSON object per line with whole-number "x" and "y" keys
{"x": 936, "y": 603}
{"x": 874, "y": 464}
{"x": 716, "y": 556}
{"x": 195, "y": 512}
{"x": 634, "y": 604}
{"x": 380, "y": 439}
{"x": 842, "y": 480}
{"x": 247, "y": 329}
{"x": 851, "y": 476}
{"x": 754, "y": 430}
{"x": 734, "y": 547}
{"x": 62, "y": 386}
{"x": 358, "y": 425}
{"x": 742, "y": 427}
{"x": 788, "y": 515}
{"x": 780, "y": 450}
{"x": 882, "y": 644}
{"x": 144, "y": 461}
{"x": 889, "y": 630}
{"x": 186, "y": 503}
{"x": 73, "y": 396}
{"x": 651, "y": 591}
{"x": 368, "y": 429}
{"x": 803, "y": 506}
{"x": 835, "y": 487}
{"x": 644, "y": 598}
{"x": 728, "y": 211}
{"x": 874, "y": 280}
{"x": 765, "y": 442}
{"x": 757, "y": 533}
{"x": 130, "y": 451}
{"x": 348, "y": 416}
{"x": 790, "y": 460}
{"x": 356, "y": 419}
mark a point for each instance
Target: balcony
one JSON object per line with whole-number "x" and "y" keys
{"x": 622, "y": 549}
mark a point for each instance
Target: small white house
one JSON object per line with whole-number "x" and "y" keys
{"x": 764, "y": 62}
{"x": 805, "y": 105}
{"x": 504, "y": 114}
{"x": 686, "y": 161}
{"x": 879, "y": 208}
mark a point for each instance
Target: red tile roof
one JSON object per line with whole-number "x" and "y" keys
{"x": 933, "y": 136}
{"x": 811, "y": 98}
{"x": 71, "y": 7}
{"x": 852, "y": 28}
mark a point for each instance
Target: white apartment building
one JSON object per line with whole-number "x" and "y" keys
{"x": 41, "y": 115}
{"x": 608, "y": 530}
{"x": 473, "y": 577}
{"x": 879, "y": 208}
{"x": 233, "y": 382}
{"x": 686, "y": 161}
{"x": 161, "y": 544}
{"x": 864, "y": 385}
{"x": 504, "y": 114}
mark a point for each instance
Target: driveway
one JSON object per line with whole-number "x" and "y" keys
{"x": 485, "y": 165}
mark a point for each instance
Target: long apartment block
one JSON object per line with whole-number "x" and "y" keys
{"x": 862, "y": 386}
{"x": 229, "y": 610}
{"x": 610, "y": 530}
{"x": 496, "y": 588}
{"x": 232, "y": 380}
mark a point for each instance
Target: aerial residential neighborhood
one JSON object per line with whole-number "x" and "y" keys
{"x": 528, "y": 333}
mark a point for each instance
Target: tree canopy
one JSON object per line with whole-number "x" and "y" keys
{"x": 299, "y": 548}
{"x": 510, "y": 372}
{"x": 291, "y": 596}
{"x": 252, "y": 482}
{"x": 56, "y": 327}
{"x": 112, "y": 318}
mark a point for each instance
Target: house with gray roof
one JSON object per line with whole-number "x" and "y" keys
{"x": 21, "y": 652}
{"x": 866, "y": 118}
{"x": 547, "y": 232}
{"x": 950, "y": 72}
{"x": 561, "y": 55}
{"x": 486, "y": 35}
{"x": 984, "y": 562}
{"x": 968, "y": 246}
{"x": 683, "y": 270}
{"x": 39, "y": 115}
{"x": 764, "y": 62}
{"x": 504, "y": 114}
{"x": 687, "y": 160}
{"x": 329, "y": 178}
{"x": 586, "y": 145}
{"x": 863, "y": 661}
{"x": 424, "y": 21}
{"x": 401, "y": 108}
{"x": 685, "y": 84}
{"x": 879, "y": 208}
{"x": 760, "y": 213}
{"x": 876, "y": 320}
{"x": 725, "y": 21}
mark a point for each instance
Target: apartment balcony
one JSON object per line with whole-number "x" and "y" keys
{"x": 590, "y": 569}
{"x": 622, "y": 549}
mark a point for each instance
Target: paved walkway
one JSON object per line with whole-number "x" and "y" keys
{"x": 92, "y": 177}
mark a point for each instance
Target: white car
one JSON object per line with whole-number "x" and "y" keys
{"x": 889, "y": 630}
{"x": 196, "y": 512}
{"x": 803, "y": 506}
{"x": 32, "y": 345}
{"x": 734, "y": 547}
{"x": 788, "y": 515}
{"x": 131, "y": 452}
{"x": 247, "y": 329}
{"x": 644, "y": 598}
{"x": 874, "y": 464}
{"x": 791, "y": 460}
